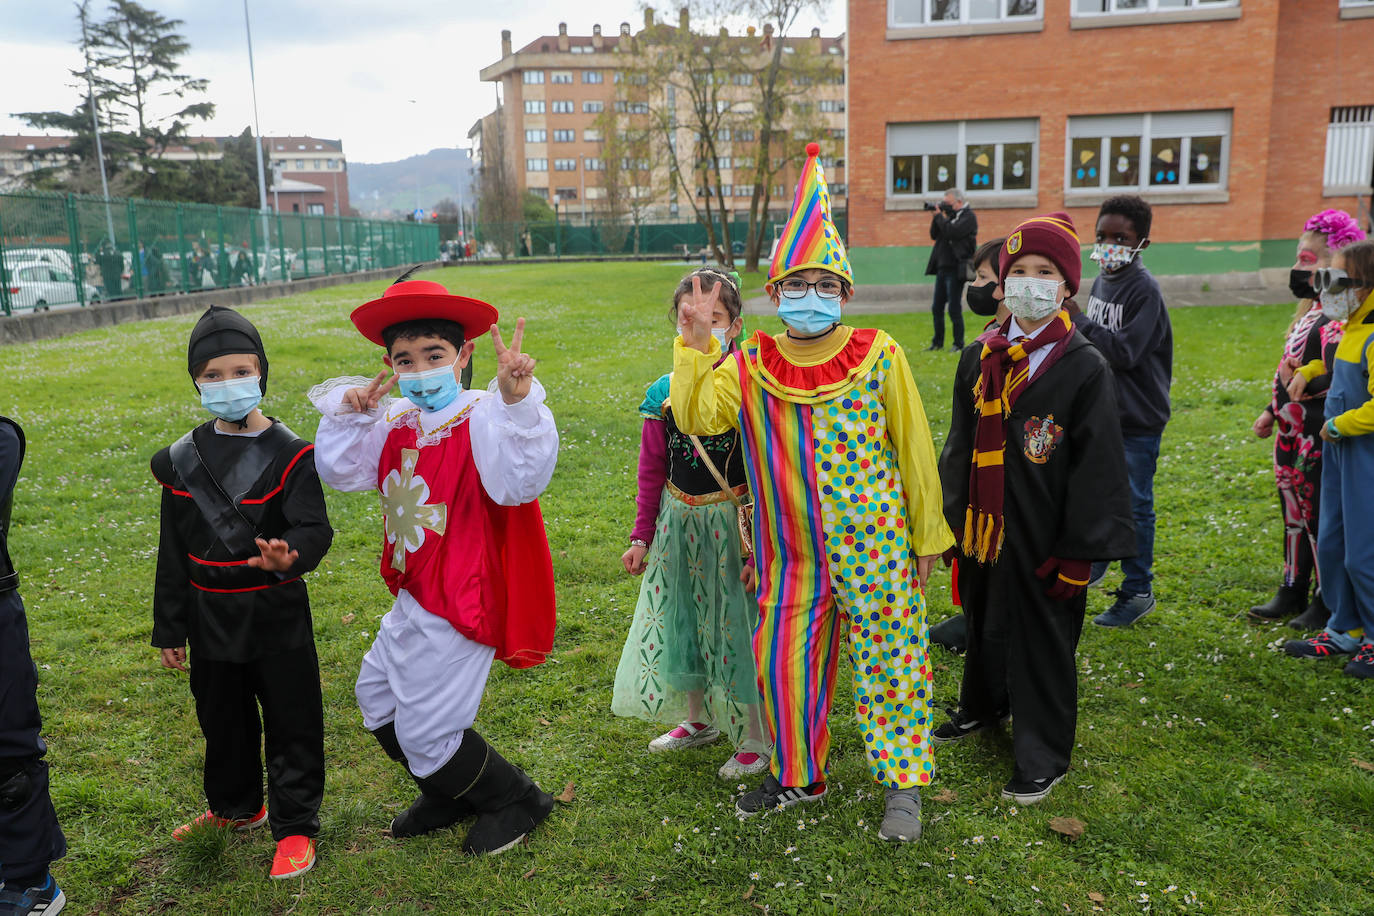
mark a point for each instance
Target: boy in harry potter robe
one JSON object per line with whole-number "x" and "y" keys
{"x": 847, "y": 515}
{"x": 1035, "y": 487}
{"x": 465, "y": 552}
{"x": 243, "y": 519}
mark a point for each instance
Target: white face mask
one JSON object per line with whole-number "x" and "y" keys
{"x": 1339, "y": 304}
{"x": 1031, "y": 298}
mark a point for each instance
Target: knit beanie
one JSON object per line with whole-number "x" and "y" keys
{"x": 1052, "y": 236}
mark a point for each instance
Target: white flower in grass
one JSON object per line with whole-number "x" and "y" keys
{"x": 753, "y": 876}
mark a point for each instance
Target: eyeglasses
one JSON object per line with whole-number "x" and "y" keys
{"x": 796, "y": 288}
{"x": 1330, "y": 279}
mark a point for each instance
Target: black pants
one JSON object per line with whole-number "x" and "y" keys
{"x": 1020, "y": 660}
{"x": 949, "y": 290}
{"x": 30, "y": 838}
{"x": 287, "y": 685}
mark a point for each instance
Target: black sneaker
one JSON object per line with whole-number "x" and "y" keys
{"x": 773, "y": 794}
{"x": 47, "y": 900}
{"x": 959, "y": 727}
{"x": 1319, "y": 646}
{"x": 1030, "y": 791}
{"x": 1362, "y": 665}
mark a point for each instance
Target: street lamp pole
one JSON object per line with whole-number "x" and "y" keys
{"x": 582, "y": 183}
{"x": 257, "y": 142}
{"x": 95, "y": 126}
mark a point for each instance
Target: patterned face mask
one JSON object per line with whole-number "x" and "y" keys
{"x": 1113, "y": 257}
{"x": 1339, "y": 304}
{"x": 1031, "y": 298}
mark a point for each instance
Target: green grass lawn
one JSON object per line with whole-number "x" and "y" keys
{"x": 1213, "y": 774}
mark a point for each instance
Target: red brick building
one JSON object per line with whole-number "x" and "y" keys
{"x": 1236, "y": 119}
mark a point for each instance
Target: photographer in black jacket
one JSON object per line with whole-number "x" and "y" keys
{"x": 955, "y": 231}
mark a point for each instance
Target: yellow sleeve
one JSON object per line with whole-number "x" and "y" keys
{"x": 909, "y": 431}
{"x": 705, "y": 399}
{"x": 1359, "y": 421}
{"x": 1312, "y": 369}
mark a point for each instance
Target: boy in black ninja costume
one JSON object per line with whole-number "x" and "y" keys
{"x": 243, "y": 519}
{"x": 30, "y": 838}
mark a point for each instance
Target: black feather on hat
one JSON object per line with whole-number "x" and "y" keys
{"x": 219, "y": 332}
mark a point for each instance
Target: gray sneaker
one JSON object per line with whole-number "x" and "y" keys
{"x": 902, "y": 817}
{"x": 1126, "y": 611}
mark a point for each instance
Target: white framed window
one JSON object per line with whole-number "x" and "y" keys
{"x": 536, "y": 165}
{"x": 993, "y": 156}
{"x": 566, "y": 193}
{"x": 581, "y": 49}
{"x": 1350, "y": 148}
{"x": 1148, "y": 152}
{"x": 540, "y": 192}
{"x": 625, "y": 107}
{"x": 564, "y": 136}
{"x": 744, "y": 135}
{"x": 534, "y": 106}
{"x": 591, "y": 107}
{"x": 744, "y": 190}
{"x": 592, "y": 164}
{"x": 908, "y": 13}
{"x": 742, "y": 79}
{"x": 565, "y": 165}
{"x": 830, "y": 105}
{"x": 532, "y": 76}
{"x": 563, "y": 107}
{"x": 560, "y": 77}
{"x": 592, "y": 76}
{"x": 1107, "y": 7}
{"x": 591, "y": 135}
{"x": 315, "y": 209}
{"x": 536, "y": 136}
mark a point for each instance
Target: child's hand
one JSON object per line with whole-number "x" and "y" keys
{"x": 514, "y": 370}
{"x": 1264, "y": 424}
{"x": 749, "y": 575}
{"x": 633, "y": 560}
{"x": 924, "y": 566}
{"x": 695, "y": 315}
{"x": 1297, "y": 387}
{"x": 276, "y": 556}
{"x": 1286, "y": 367}
{"x": 364, "y": 399}
{"x": 174, "y": 658}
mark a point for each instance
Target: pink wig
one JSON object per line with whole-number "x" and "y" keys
{"x": 1338, "y": 226}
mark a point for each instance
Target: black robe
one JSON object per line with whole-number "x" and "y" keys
{"x": 1067, "y": 496}
{"x": 236, "y": 613}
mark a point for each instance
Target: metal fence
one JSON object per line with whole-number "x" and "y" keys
{"x": 608, "y": 239}
{"x": 76, "y": 250}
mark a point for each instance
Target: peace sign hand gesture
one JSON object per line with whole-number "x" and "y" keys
{"x": 695, "y": 315}
{"x": 514, "y": 370}
{"x": 364, "y": 399}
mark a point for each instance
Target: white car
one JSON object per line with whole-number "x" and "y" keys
{"x": 57, "y": 257}
{"x": 38, "y": 286}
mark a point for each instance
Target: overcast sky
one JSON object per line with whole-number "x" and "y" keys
{"x": 342, "y": 69}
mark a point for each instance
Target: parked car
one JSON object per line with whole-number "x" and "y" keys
{"x": 39, "y": 286}
{"x": 57, "y": 257}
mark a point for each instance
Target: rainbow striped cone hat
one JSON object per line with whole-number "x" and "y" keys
{"x": 809, "y": 239}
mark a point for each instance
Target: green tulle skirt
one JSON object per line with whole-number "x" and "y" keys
{"x": 693, "y": 626}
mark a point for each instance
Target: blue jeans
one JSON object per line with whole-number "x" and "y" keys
{"x": 1142, "y": 453}
{"x": 949, "y": 289}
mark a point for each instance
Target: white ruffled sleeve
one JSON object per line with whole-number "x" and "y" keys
{"x": 515, "y": 446}
{"x": 348, "y": 444}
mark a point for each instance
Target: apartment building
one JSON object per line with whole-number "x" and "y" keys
{"x": 1236, "y": 119}
{"x": 555, "y": 89}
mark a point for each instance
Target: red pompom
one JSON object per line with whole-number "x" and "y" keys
{"x": 813, "y": 149}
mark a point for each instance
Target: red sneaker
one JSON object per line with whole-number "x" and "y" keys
{"x": 214, "y": 820}
{"x": 295, "y": 856}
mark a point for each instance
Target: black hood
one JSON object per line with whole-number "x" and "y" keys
{"x": 219, "y": 332}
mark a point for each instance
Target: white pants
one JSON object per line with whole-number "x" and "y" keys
{"x": 426, "y": 677}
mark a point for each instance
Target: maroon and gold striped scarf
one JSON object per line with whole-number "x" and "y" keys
{"x": 1005, "y": 373}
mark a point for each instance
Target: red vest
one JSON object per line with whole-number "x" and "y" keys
{"x": 484, "y": 568}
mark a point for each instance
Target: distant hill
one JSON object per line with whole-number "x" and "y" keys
{"x": 390, "y": 188}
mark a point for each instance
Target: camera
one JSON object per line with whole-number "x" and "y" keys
{"x": 927, "y": 205}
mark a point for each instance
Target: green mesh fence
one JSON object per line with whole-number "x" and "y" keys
{"x": 73, "y": 250}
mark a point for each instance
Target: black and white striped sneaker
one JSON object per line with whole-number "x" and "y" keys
{"x": 773, "y": 794}
{"x": 47, "y": 900}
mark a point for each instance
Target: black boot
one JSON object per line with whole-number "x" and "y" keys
{"x": 431, "y": 810}
{"x": 1315, "y": 617}
{"x": 1286, "y": 603}
{"x": 510, "y": 805}
{"x": 951, "y": 633}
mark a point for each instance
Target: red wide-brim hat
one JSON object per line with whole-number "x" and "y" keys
{"x": 410, "y": 300}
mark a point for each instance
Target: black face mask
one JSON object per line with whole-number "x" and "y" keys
{"x": 980, "y": 301}
{"x": 1300, "y": 284}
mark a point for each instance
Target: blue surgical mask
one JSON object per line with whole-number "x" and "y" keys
{"x": 809, "y": 315}
{"x": 231, "y": 399}
{"x": 433, "y": 389}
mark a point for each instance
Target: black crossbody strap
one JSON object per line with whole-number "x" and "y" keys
{"x": 223, "y": 516}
